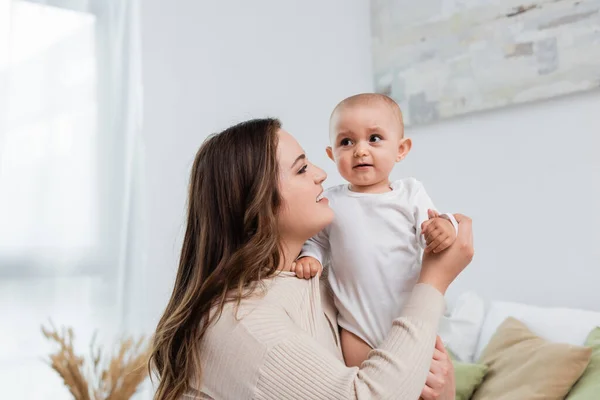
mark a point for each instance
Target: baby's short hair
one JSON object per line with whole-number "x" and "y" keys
{"x": 361, "y": 99}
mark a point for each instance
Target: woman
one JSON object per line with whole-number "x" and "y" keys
{"x": 239, "y": 325}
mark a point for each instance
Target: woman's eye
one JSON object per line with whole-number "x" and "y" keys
{"x": 375, "y": 138}
{"x": 303, "y": 169}
{"x": 345, "y": 142}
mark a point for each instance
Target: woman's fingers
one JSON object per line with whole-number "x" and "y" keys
{"x": 439, "y": 368}
{"x": 433, "y": 388}
{"x": 465, "y": 227}
{"x": 439, "y": 382}
{"x": 439, "y": 345}
{"x": 465, "y": 235}
{"x": 439, "y": 355}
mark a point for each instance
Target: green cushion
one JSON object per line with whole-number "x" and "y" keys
{"x": 588, "y": 386}
{"x": 467, "y": 377}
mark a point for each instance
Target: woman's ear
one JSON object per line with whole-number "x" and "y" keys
{"x": 403, "y": 148}
{"x": 329, "y": 151}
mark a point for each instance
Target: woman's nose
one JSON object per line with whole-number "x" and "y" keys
{"x": 320, "y": 175}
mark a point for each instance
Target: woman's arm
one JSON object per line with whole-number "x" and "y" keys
{"x": 299, "y": 368}
{"x": 272, "y": 358}
{"x": 260, "y": 353}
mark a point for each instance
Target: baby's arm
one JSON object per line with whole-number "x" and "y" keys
{"x": 435, "y": 232}
{"x": 312, "y": 257}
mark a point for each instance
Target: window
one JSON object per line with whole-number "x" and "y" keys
{"x": 48, "y": 206}
{"x": 69, "y": 96}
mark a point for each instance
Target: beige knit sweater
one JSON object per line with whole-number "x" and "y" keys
{"x": 285, "y": 345}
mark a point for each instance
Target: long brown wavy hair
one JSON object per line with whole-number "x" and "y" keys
{"x": 231, "y": 242}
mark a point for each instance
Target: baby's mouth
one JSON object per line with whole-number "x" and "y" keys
{"x": 362, "y": 165}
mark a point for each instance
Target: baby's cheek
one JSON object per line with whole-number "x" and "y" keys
{"x": 345, "y": 165}
{"x": 388, "y": 165}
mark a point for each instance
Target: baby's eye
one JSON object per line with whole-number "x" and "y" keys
{"x": 375, "y": 138}
{"x": 345, "y": 142}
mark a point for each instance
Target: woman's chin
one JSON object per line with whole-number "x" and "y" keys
{"x": 325, "y": 216}
{"x": 314, "y": 221}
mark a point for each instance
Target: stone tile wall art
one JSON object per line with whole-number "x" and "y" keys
{"x": 442, "y": 58}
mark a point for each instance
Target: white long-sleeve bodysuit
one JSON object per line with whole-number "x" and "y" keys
{"x": 374, "y": 247}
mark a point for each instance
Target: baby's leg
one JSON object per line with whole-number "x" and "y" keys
{"x": 354, "y": 349}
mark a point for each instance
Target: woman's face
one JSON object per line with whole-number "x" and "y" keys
{"x": 304, "y": 212}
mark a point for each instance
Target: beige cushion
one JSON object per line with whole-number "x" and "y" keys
{"x": 522, "y": 365}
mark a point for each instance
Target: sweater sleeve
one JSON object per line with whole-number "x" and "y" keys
{"x": 299, "y": 368}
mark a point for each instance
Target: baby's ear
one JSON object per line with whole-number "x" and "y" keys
{"x": 329, "y": 152}
{"x": 403, "y": 148}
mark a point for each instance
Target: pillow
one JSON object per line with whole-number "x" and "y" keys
{"x": 460, "y": 328}
{"x": 522, "y": 365}
{"x": 467, "y": 378}
{"x": 560, "y": 325}
{"x": 588, "y": 386}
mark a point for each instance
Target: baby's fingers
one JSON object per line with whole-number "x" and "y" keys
{"x": 307, "y": 269}
{"x": 443, "y": 246}
{"x": 315, "y": 267}
{"x": 299, "y": 267}
{"x": 426, "y": 225}
{"x": 442, "y": 243}
{"x": 439, "y": 239}
{"x": 432, "y": 214}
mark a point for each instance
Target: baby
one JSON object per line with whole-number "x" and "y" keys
{"x": 375, "y": 244}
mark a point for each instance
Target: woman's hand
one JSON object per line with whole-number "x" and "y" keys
{"x": 440, "y": 383}
{"x": 439, "y": 270}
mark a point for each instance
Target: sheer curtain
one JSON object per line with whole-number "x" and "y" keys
{"x": 70, "y": 157}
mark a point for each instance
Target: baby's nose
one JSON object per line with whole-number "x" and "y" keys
{"x": 361, "y": 150}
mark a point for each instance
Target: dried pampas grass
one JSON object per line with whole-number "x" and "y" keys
{"x": 98, "y": 378}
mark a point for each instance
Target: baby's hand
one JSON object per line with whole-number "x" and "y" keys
{"x": 439, "y": 233}
{"x": 307, "y": 267}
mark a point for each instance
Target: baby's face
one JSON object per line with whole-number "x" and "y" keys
{"x": 365, "y": 143}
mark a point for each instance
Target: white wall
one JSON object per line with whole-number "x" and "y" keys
{"x": 209, "y": 64}
{"x": 529, "y": 176}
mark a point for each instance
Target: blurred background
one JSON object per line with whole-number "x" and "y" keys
{"x": 103, "y": 104}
